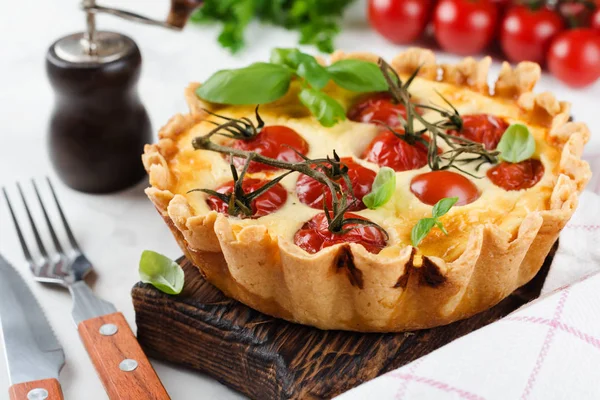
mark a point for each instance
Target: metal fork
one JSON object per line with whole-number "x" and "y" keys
{"x": 105, "y": 333}
{"x": 59, "y": 268}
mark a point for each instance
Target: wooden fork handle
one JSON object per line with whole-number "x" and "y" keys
{"x": 119, "y": 360}
{"x": 36, "y": 390}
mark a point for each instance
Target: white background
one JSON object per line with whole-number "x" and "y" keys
{"x": 114, "y": 229}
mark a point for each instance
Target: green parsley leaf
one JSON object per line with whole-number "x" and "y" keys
{"x": 326, "y": 109}
{"x": 161, "y": 272}
{"x": 517, "y": 144}
{"x": 425, "y": 225}
{"x": 420, "y": 230}
{"x": 358, "y": 76}
{"x": 383, "y": 188}
{"x": 257, "y": 83}
{"x": 443, "y": 206}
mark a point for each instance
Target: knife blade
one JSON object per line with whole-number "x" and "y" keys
{"x": 33, "y": 353}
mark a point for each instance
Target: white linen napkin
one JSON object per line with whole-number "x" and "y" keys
{"x": 547, "y": 349}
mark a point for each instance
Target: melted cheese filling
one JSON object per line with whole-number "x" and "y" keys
{"x": 506, "y": 209}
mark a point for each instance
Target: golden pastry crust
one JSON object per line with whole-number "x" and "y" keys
{"x": 345, "y": 286}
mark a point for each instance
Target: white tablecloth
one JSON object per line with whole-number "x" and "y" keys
{"x": 114, "y": 229}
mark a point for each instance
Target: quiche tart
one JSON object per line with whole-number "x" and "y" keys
{"x": 283, "y": 255}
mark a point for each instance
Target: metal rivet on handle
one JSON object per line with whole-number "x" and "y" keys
{"x": 108, "y": 329}
{"x": 37, "y": 394}
{"x": 128, "y": 365}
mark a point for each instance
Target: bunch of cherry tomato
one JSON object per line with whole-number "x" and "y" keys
{"x": 563, "y": 35}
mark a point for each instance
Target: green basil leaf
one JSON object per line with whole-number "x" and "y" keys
{"x": 288, "y": 57}
{"x": 358, "y": 76}
{"x": 257, "y": 83}
{"x": 326, "y": 109}
{"x": 161, "y": 272}
{"x": 305, "y": 65}
{"x": 314, "y": 73}
{"x": 443, "y": 206}
{"x": 517, "y": 144}
{"x": 420, "y": 230}
{"x": 441, "y": 226}
{"x": 383, "y": 188}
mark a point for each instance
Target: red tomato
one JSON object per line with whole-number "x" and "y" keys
{"x": 575, "y": 13}
{"x": 312, "y": 192}
{"x": 516, "y": 176}
{"x": 277, "y": 142}
{"x": 387, "y": 150}
{"x": 264, "y": 204}
{"x": 379, "y": 107}
{"x": 482, "y": 128}
{"x": 464, "y": 26}
{"x": 315, "y": 235}
{"x": 574, "y": 57}
{"x": 526, "y": 34}
{"x": 433, "y": 186}
{"x": 400, "y": 21}
{"x": 595, "y": 22}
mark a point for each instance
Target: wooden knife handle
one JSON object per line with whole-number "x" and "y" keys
{"x": 36, "y": 390}
{"x": 119, "y": 360}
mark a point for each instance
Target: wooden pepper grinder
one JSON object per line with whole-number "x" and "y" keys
{"x": 99, "y": 126}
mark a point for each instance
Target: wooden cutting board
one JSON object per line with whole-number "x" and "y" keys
{"x": 268, "y": 358}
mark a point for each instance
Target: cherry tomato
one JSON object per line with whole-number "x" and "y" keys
{"x": 464, "y": 26}
{"x": 275, "y": 141}
{"x": 264, "y": 204}
{"x": 387, "y": 150}
{"x": 595, "y": 22}
{"x": 379, "y": 107}
{"x": 312, "y": 192}
{"x": 400, "y": 21}
{"x": 482, "y": 128}
{"x": 315, "y": 235}
{"x": 575, "y": 13}
{"x": 516, "y": 176}
{"x": 526, "y": 33}
{"x": 574, "y": 57}
{"x": 433, "y": 186}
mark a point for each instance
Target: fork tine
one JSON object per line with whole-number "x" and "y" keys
{"x": 57, "y": 245}
{"x": 38, "y": 239}
{"x": 26, "y": 252}
{"x": 72, "y": 240}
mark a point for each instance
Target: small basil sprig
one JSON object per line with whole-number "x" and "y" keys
{"x": 517, "y": 144}
{"x": 425, "y": 225}
{"x": 161, "y": 272}
{"x": 262, "y": 83}
{"x": 328, "y": 111}
{"x": 383, "y": 188}
{"x": 357, "y": 76}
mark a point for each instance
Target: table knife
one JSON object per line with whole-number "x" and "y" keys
{"x": 34, "y": 355}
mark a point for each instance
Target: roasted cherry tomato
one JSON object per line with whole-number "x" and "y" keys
{"x": 275, "y": 141}
{"x": 433, "y": 186}
{"x": 264, "y": 204}
{"x": 312, "y": 192}
{"x": 482, "y": 128}
{"x": 379, "y": 107}
{"x": 516, "y": 176}
{"x": 526, "y": 33}
{"x": 388, "y": 150}
{"x": 315, "y": 235}
{"x": 464, "y": 26}
{"x": 574, "y": 57}
{"x": 400, "y": 21}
